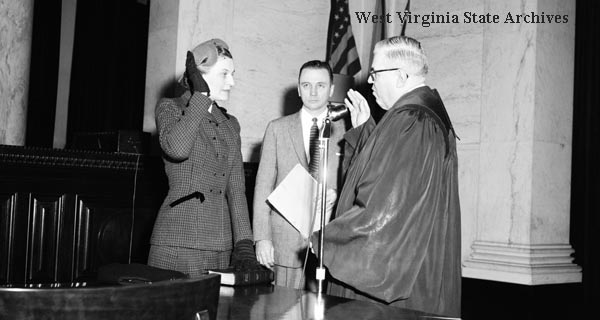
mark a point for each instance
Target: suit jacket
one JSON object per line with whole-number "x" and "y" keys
{"x": 282, "y": 149}
{"x": 202, "y": 154}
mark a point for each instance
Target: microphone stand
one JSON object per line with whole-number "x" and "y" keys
{"x": 322, "y": 189}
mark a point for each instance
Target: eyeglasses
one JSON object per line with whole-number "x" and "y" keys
{"x": 373, "y": 72}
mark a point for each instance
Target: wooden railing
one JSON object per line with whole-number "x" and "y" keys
{"x": 63, "y": 213}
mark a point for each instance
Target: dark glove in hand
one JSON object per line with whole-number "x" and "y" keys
{"x": 195, "y": 79}
{"x": 243, "y": 256}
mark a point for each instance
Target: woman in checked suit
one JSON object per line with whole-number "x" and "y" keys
{"x": 203, "y": 222}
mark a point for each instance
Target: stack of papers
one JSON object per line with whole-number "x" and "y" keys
{"x": 294, "y": 198}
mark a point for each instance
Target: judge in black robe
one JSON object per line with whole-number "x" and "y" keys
{"x": 396, "y": 235}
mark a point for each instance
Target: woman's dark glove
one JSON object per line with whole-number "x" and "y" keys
{"x": 243, "y": 256}
{"x": 195, "y": 79}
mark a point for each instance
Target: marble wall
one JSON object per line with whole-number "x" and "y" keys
{"x": 16, "y": 22}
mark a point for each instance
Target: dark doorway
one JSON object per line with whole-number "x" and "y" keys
{"x": 109, "y": 66}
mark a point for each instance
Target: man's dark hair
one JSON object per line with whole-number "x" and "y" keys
{"x": 317, "y": 64}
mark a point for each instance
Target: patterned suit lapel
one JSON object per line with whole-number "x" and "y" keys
{"x": 295, "y": 133}
{"x": 217, "y": 114}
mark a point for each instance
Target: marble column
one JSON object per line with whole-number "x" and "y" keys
{"x": 269, "y": 41}
{"x": 525, "y": 150}
{"x": 16, "y": 24}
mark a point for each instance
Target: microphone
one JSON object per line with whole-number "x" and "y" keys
{"x": 336, "y": 112}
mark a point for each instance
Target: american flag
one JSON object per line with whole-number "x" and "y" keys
{"x": 343, "y": 56}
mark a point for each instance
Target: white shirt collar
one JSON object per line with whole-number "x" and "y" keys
{"x": 307, "y": 117}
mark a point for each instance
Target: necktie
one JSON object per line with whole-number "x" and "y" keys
{"x": 313, "y": 149}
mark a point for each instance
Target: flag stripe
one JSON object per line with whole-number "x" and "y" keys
{"x": 350, "y": 54}
{"x": 338, "y": 55}
{"x": 343, "y": 54}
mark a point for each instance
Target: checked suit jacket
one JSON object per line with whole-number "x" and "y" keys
{"x": 282, "y": 149}
{"x": 201, "y": 153}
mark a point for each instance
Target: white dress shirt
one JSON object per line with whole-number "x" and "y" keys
{"x": 306, "y": 119}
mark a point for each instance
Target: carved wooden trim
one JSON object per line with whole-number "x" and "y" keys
{"x": 44, "y": 236}
{"x": 83, "y": 237}
{"x": 8, "y": 203}
{"x": 70, "y": 158}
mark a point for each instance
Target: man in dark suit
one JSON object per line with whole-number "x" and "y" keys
{"x": 286, "y": 144}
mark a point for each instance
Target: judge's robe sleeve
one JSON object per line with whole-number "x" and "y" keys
{"x": 355, "y": 139}
{"x": 388, "y": 207}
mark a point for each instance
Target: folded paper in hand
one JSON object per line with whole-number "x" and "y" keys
{"x": 294, "y": 200}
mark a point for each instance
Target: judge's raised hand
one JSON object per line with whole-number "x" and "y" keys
{"x": 265, "y": 253}
{"x": 359, "y": 108}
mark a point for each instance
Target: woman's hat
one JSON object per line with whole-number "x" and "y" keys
{"x": 206, "y": 53}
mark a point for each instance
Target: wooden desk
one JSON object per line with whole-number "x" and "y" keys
{"x": 281, "y": 303}
{"x": 190, "y": 299}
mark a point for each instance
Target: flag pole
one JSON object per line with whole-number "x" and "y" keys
{"x": 383, "y": 26}
{"x": 403, "y": 32}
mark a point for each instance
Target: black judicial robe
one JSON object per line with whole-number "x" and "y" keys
{"x": 396, "y": 234}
